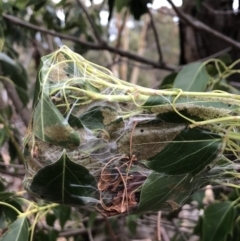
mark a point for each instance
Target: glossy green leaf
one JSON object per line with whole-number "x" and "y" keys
{"x": 6, "y": 195}
{"x": 65, "y": 182}
{"x": 168, "y": 81}
{"x": 52, "y": 235}
{"x": 17, "y": 231}
{"x": 50, "y": 219}
{"x": 131, "y": 221}
{"x": 138, "y": 8}
{"x": 98, "y": 117}
{"x": 10, "y": 214}
{"x": 190, "y": 152}
{"x": 110, "y": 8}
{"x": 217, "y": 221}
{"x": 192, "y": 77}
{"x": 63, "y": 213}
{"x": 159, "y": 190}
{"x": 49, "y": 125}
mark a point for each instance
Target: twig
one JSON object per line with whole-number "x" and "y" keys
{"x": 120, "y": 32}
{"x": 219, "y": 12}
{"x": 12, "y": 138}
{"x": 141, "y": 49}
{"x": 19, "y": 166}
{"x": 165, "y": 236}
{"x": 123, "y": 53}
{"x": 14, "y": 174}
{"x": 156, "y": 36}
{"x": 196, "y": 24}
{"x": 179, "y": 231}
{"x": 159, "y": 226}
{"x": 90, "y": 237}
{"x": 217, "y": 54}
{"x": 111, "y": 232}
{"x": 20, "y": 109}
{"x": 97, "y": 36}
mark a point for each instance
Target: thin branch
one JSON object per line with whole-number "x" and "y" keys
{"x": 219, "y": 12}
{"x": 111, "y": 49}
{"x": 165, "y": 236}
{"x": 141, "y": 48}
{"x": 110, "y": 230}
{"x": 156, "y": 36}
{"x": 22, "y": 111}
{"x": 159, "y": 226}
{"x": 14, "y": 174}
{"x": 95, "y": 31}
{"x": 196, "y": 24}
{"x": 13, "y": 139}
{"x": 183, "y": 236}
{"x": 118, "y": 44}
{"x": 217, "y": 54}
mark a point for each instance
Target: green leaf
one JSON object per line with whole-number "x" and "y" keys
{"x": 17, "y": 231}
{"x": 131, "y": 221}
{"x": 91, "y": 219}
{"x": 52, "y": 235}
{"x": 49, "y": 125}
{"x": 190, "y": 152}
{"x": 168, "y": 81}
{"x": 159, "y": 190}
{"x": 3, "y": 136}
{"x": 10, "y": 214}
{"x": 138, "y": 7}
{"x": 217, "y": 221}
{"x": 110, "y": 7}
{"x": 21, "y": 4}
{"x": 37, "y": 4}
{"x": 63, "y": 213}
{"x": 192, "y": 77}
{"x": 50, "y": 219}
{"x": 6, "y": 195}
{"x": 120, "y": 4}
{"x": 98, "y": 117}
{"x": 65, "y": 182}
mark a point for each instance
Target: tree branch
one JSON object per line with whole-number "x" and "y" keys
{"x": 156, "y": 36}
{"x": 120, "y": 30}
{"x": 194, "y": 23}
{"x": 111, "y": 49}
{"x": 95, "y": 31}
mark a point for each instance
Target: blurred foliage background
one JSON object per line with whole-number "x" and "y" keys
{"x": 144, "y": 42}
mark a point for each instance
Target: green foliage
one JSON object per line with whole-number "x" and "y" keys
{"x": 18, "y": 230}
{"x": 192, "y": 77}
{"x": 181, "y": 142}
{"x": 65, "y": 182}
{"x": 178, "y": 156}
{"x": 185, "y": 154}
{"x": 136, "y": 7}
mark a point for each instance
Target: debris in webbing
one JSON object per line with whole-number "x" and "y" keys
{"x": 101, "y": 143}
